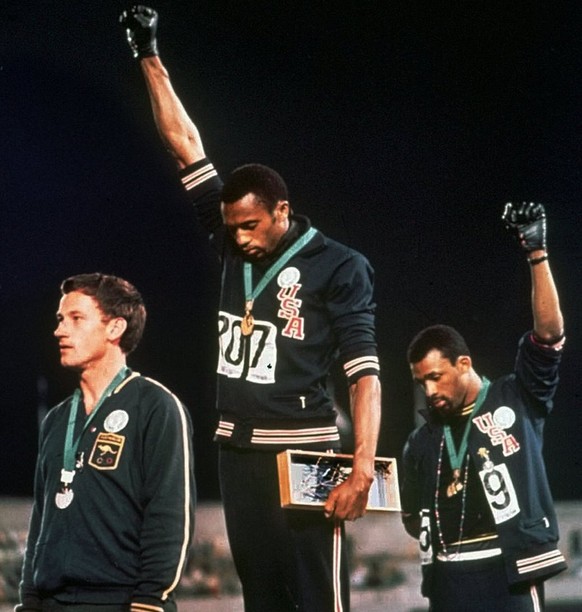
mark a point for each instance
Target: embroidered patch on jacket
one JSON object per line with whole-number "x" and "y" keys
{"x": 116, "y": 421}
{"x": 424, "y": 539}
{"x": 107, "y": 451}
{"x": 290, "y": 309}
{"x": 494, "y": 425}
{"x": 253, "y": 359}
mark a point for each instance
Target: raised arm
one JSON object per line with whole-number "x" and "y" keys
{"x": 177, "y": 131}
{"x": 527, "y": 221}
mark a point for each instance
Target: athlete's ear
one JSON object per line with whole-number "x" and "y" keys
{"x": 116, "y": 328}
{"x": 282, "y": 210}
{"x": 464, "y": 363}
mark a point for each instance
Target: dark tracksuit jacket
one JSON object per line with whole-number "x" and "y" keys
{"x": 271, "y": 396}
{"x": 124, "y": 538}
{"x": 505, "y": 444}
{"x": 320, "y": 305}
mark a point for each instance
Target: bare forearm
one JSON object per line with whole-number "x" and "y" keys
{"x": 547, "y": 315}
{"x": 348, "y": 501}
{"x": 177, "y": 131}
{"x": 365, "y": 403}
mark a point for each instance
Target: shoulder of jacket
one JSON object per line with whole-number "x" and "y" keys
{"x": 337, "y": 252}
{"x": 156, "y": 388}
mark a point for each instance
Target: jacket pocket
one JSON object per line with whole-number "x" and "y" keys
{"x": 537, "y": 530}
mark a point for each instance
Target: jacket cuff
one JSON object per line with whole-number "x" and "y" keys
{"x": 149, "y": 605}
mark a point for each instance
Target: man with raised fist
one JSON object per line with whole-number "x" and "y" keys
{"x": 475, "y": 492}
{"x": 292, "y": 300}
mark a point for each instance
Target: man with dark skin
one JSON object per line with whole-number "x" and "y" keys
{"x": 291, "y": 300}
{"x": 474, "y": 489}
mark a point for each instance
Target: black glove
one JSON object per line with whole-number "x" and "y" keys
{"x": 140, "y": 23}
{"x": 527, "y": 222}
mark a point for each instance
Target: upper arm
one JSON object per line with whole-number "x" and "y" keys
{"x": 537, "y": 372}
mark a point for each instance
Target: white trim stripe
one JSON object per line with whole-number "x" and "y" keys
{"x": 125, "y": 381}
{"x": 361, "y": 363}
{"x": 293, "y": 440}
{"x": 187, "y": 494}
{"x": 225, "y": 433}
{"x": 141, "y": 607}
{"x": 546, "y": 555}
{"x": 308, "y": 431}
{"x": 198, "y": 176}
{"x": 295, "y": 436}
{"x": 224, "y": 429}
{"x": 533, "y": 564}
{"x": 471, "y": 555}
{"x": 307, "y": 435}
{"x": 337, "y": 558}
{"x": 535, "y": 598}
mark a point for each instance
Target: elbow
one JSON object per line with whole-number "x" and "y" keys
{"x": 550, "y": 332}
{"x": 183, "y": 149}
{"x": 549, "y": 336}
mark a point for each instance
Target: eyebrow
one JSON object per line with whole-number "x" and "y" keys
{"x": 69, "y": 312}
{"x": 427, "y": 376}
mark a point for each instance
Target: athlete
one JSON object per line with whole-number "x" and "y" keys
{"x": 475, "y": 491}
{"x": 114, "y": 489}
{"x": 292, "y": 300}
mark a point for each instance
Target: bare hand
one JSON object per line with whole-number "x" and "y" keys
{"x": 348, "y": 501}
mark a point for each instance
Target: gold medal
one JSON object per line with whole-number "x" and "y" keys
{"x": 247, "y": 322}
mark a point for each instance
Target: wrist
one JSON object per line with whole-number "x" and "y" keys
{"x": 537, "y": 257}
{"x": 363, "y": 469}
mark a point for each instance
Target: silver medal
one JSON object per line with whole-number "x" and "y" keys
{"x": 64, "y": 498}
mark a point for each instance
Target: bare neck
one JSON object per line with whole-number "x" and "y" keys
{"x": 475, "y": 384}
{"x": 94, "y": 380}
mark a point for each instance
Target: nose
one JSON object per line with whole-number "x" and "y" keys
{"x": 241, "y": 237}
{"x": 59, "y": 331}
{"x": 429, "y": 388}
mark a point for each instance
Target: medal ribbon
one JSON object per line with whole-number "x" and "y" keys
{"x": 70, "y": 450}
{"x": 456, "y": 457}
{"x": 250, "y": 293}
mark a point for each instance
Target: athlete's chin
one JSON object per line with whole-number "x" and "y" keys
{"x": 71, "y": 365}
{"x": 254, "y": 255}
{"x": 444, "y": 409}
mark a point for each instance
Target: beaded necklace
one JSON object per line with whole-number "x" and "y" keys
{"x": 437, "y": 515}
{"x": 456, "y": 460}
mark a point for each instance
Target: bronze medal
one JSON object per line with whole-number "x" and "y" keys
{"x": 456, "y": 485}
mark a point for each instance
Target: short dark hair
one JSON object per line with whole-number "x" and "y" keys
{"x": 116, "y": 297}
{"x": 263, "y": 181}
{"x": 443, "y": 338}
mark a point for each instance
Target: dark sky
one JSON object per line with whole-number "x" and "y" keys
{"x": 401, "y": 131}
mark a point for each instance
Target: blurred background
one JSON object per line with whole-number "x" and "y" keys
{"x": 401, "y": 130}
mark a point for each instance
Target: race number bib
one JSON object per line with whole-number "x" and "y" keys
{"x": 424, "y": 539}
{"x": 251, "y": 358}
{"x": 500, "y": 493}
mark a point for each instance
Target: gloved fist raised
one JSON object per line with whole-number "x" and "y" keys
{"x": 527, "y": 222}
{"x": 140, "y": 23}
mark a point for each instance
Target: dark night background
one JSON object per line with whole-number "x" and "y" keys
{"x": 401, "y": 130}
